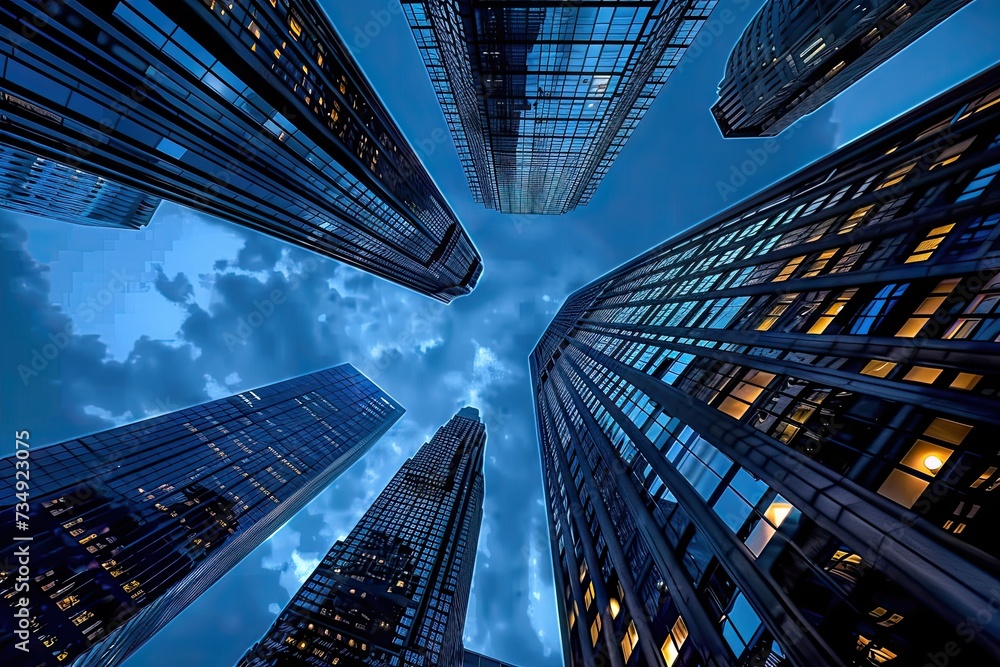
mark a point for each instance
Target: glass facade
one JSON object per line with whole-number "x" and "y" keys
{"x": 253, "y": 111}
{"x": 794, "y": 57}
{"x": 394, "y": 592}
{"x": 542, "y": 96}
{"x": 772, "y": 439}
{"x": 130, "y": 525}
{"x": 36, "y": 186}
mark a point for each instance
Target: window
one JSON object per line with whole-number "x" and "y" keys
{"x": 927, "y": 456}
{"x": 745, "y": 393}
{"x": 926, "y": 248}
{"x": 671, "y": 647}
{"x": 777, "y": 310}
{"x": 831, "y": 313}
{"x": 978, "y": 184}
{"x": 980, "y": 319}
{"x": 897, "y": 176}
{"x": 788, "y": 270}
{"x": 595, "y": 630}
{"x": 928, "y": 307}
{"x": 874, "y": 312}
{"x": 630, "y": 641}
{"x": 855, "y": 219}
{"x": 773, "y": 517}
{"x": 878, "y": 368}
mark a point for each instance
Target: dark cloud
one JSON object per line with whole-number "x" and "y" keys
{"x": 178, "y": 289}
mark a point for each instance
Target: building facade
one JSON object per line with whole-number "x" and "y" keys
{"x": 394, "y": 592}
{"x": 772, "y": 439}
{"x": 794, "y": 57}
{"x": 252, "y": 111}
{"x": 131, "y": 525}
{"x": 33, "y": 185}
{"x": 542, "y": 96}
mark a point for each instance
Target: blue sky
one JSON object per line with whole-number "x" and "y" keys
{"x": 156, "y": 314}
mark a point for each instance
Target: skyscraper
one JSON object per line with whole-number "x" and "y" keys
{"x": 542, "y": 96}
{"x": 252, "y": 111}
{"x": 772, "y": 439}
{"x": 130, "y": 525}
{"x": 794, "y": 57}
{"x": 36, "y": 186}
{"x": 395, "y": 591}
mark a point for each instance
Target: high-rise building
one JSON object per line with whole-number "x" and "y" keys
{"x": 772, "y": 439}
{"x": 476, "y": 660}
{"x": 396, "y": 589}
{"x": 794, "y": 57}
{"x": 36, "y": 186}
{"x": 129, "y": 526}
{"x": 253, "y": 111}
{"x": 542, "y": 96}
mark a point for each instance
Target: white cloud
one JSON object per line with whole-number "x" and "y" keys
{"x": 274, "y": 608}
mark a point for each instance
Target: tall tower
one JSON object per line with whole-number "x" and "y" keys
{"x": 395, "y": 591}
{"x": 36, "y": 186}
{"x": 129, "y": 526}
{"x": 794, "y": 57}
{"x": 772, "y": 439}
{"x": 253, "y": 111}
{"x": 542, "y": 96}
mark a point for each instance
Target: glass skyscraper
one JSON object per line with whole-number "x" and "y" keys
{"x": 772, "y": 439}
{"x": 36, "y": 186}
{"x": 542, "y": 96}
{"x": 394, "y": 592}
{"x": 131, "y": 525}
{"x": 794, "y": 57}
{"x": 253, "y": 111}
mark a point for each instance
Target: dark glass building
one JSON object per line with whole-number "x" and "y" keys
{"x": 33, "y": 185}
{"x": 394, "y": 592}
{"x": 253, "y": 111}
{"x": 130, "y": 525}
{"x": 772, "y": 439}
{"x": 796, "y": 56}
{"x": 476, "y": 660}
{"x": 542, "y": 96}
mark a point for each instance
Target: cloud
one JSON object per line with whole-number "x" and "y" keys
{"x": 177, "y": 290}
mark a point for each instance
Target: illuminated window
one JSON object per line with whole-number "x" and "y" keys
{"x": 820, "y": 263}
{"x": 923, "y": 374}
{"x": 878, "y": 368}
{"x": 966, "y": 381}
{"x": 788, "y": 270}
{"x": 928, "y": 307}
{"x": 777, "y": 310}
{"x": 595, "y": 630}
{"x": 926, "y": 248}
{"x": 981, "y": 318}
{"x": 745, "y": 393}
{"x": 952, "y": 153}
{"x": 855, "y": 219}
{"x": 773, "y": 517}
{"x": 830, "y": 313}
{"x": 615, "y": 607}
{"x": 927, "y": 457}
{"x": 294, "y": 26}
{"x": 630, "y": 641}
{"x": 897, "y": 176}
